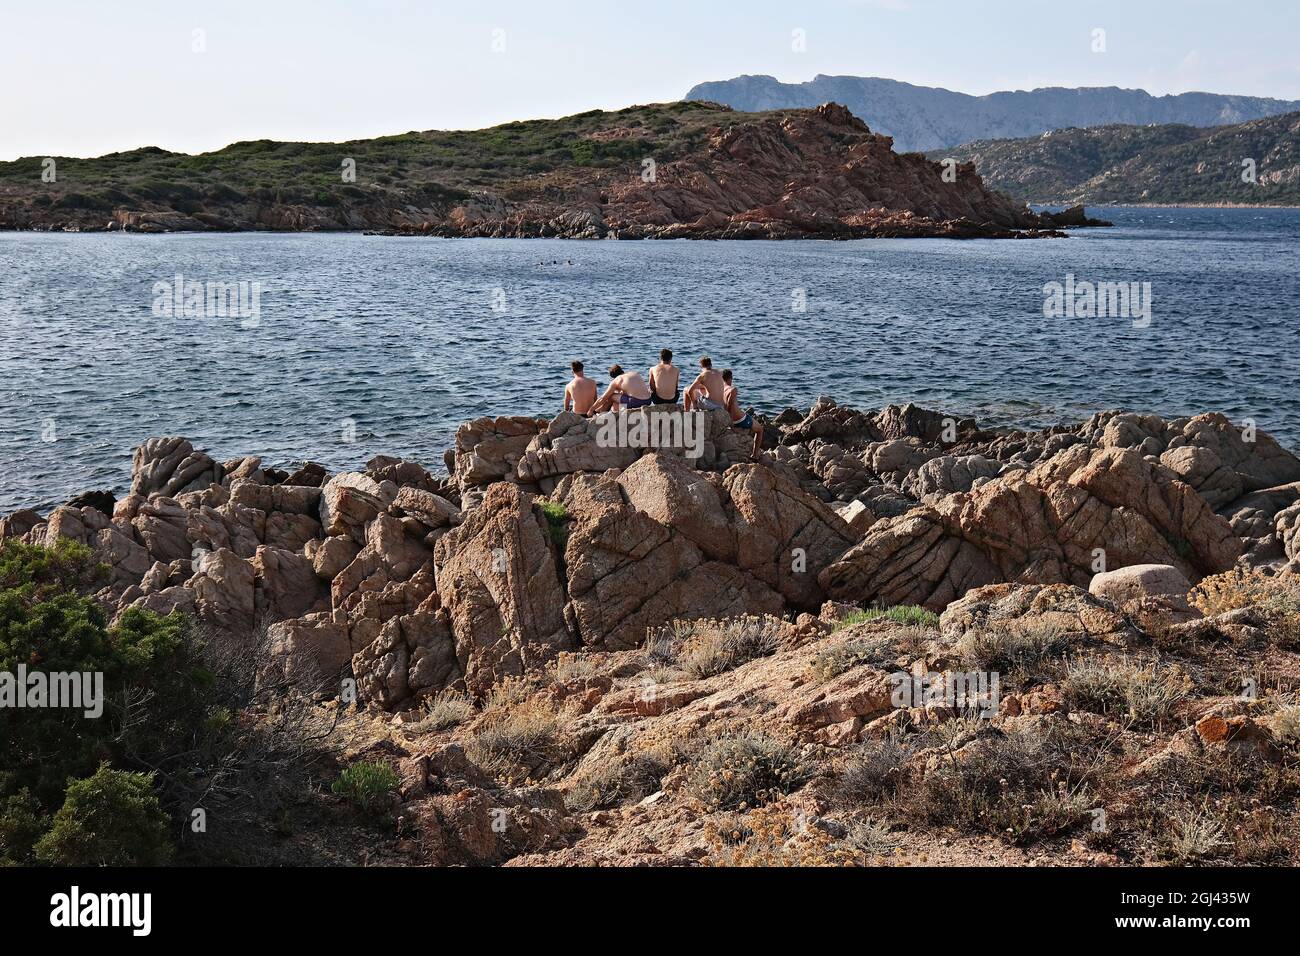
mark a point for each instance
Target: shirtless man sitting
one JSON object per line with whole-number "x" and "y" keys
{"x": 743, "y": 421}
{"x": 706, "y": 392}
{"x": 580, "y": 393}
{"x": 629, "y": 387}
{"x": 664, "y": 380}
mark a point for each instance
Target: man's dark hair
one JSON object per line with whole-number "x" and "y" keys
{"x": 665, "y": 355}
{"x": 615, "y": 371}
{"x": 576, "y": 366}
{"x": 726, "y": 375}
{"x": 706, "y": 362}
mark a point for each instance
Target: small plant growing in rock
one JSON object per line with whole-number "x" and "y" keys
{"x": 557, "y": 521}
{"x": 737, "y": 773}
{"x": 367, "y": 785}
{"x": 899, "y": 614}
{"x": 446, "y": 709}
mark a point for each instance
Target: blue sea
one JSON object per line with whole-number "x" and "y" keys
{"x": 364, "y": 345}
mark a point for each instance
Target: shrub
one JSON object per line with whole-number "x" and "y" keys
{"x": 1286, "y": 725}
{"x": 366, "y": 785}
{"x": 735, "y": 773}
{"x": 1240, "y": 588}
{"x": 522, "y": 736}
{"x": 112, "y": 818}
{"x": 1018, "y": 785}
{"x": 1011, "y": 647}
{"x": 875, "y": 771}
{"x": 155, "y": 691}
{"x": 444, "y": 710}
{"x": 831, "y": 662}
{"x": 705, "y": 648}
{"x": 1146, "y": 693}
{"x": 21, "y": 824}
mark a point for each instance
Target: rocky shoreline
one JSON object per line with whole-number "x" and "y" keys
{"x": 568, "y": 651}
{"x": 544, "y": 539}
{"x": 671, "y": 171}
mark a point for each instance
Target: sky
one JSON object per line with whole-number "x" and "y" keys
{"x": 88, "y": 77}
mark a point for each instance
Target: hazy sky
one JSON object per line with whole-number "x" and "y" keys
{"x": 85, "y": 77}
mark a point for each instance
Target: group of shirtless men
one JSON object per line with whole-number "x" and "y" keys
{"x": 710, "y": 390}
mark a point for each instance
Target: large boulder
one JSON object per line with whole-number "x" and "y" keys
{"x": 1048, "y": 525}
{"x": 500, "y": 582}
{"x": 223, "y": 586}
{"x": 284, "y": 585}
{"x": 1069, "y": 613}
{"x": 675, "y": 495}
{"x": 170, "y": 466}
{"x": 1138, "y": 581}
{"x": 487, "y": 449}
{"x": 784, "y": 537}
{"x": 350, "y": 501}
{"x": 627, "y": 574}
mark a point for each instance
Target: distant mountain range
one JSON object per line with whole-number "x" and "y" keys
{"x": 926, "y": 118}
{"x": 1146, "y": 164}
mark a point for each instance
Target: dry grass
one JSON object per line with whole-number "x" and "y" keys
{"x": 517, "y": 737}
{"x": 1145, "y": 694}
{"x": 1195, "y": 834}
{"x": 1011, "y": 648}
{"x": 570, "y": 668}
{"x": 445, "y": 710}
{"x": 706, "y": 648}
{"x": 617, "y": 782}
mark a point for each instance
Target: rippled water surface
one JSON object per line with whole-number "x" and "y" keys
{"x": 399, "y": 336}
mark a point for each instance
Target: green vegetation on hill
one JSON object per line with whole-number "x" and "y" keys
{"x": 418, "y": 168}
{"x": 1146, "y": 164}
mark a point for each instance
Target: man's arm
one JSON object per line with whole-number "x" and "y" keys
{"x": 568, "y": 396}
{"x": 607, "y": 400}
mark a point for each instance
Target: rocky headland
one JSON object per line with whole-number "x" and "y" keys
{"x": 642, "y": 657}
{"x": 671, "y": 171}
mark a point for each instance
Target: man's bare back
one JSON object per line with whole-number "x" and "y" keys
{"x": 663, "y": 380}
{"x": 708, "y": 384}
{"x": 580, "y": 394}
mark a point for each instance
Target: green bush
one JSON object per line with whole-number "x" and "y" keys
{"x": 155, "y": 691}
{"x": 366, "y": 785}
{"x": 112, "y": 818}
{"x": 21, "y": 824}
